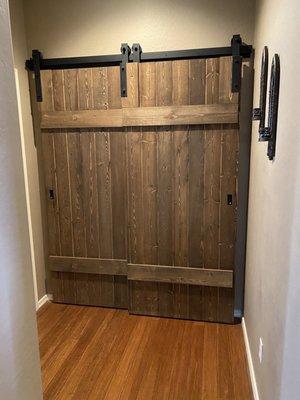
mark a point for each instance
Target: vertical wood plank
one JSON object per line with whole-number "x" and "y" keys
{"x": 197, "y": 72}
{"x": 228, "y": 185}
{"x": 180, "y": 176}
{"x": 165, "y": 187}
{"x": 47, "y": 89}
{"x": 118, "y": 188}
{"x": 49, "y": 174}
{"x": 114, "y": 96}
{"x": 76, "y": 184}
{"x": 67, "y": 280}
{"x": 104, "y": 193}
{"x": 225, "y": 94}
{"x": 70, "y": 89}
{"x": 211, "y": 216}
{"x": 144, "y": 294}
{"x": 88, "y": 287}
{"x": 53, "y": 227}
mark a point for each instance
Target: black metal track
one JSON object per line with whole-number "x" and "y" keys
{"x": 116, "y": 59}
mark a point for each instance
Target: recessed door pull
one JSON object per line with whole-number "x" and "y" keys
{"x": 51, "y": 194}
{"x": 229, "y": 199}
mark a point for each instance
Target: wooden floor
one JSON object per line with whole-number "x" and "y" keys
{"x": 101, "y": 353}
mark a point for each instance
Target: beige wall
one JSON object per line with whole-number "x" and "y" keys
{"x": 272, "y": 271}
{"x": 19, "y": 359}
{"x": 30, "y": 157}
{"x": 75, "y": 28}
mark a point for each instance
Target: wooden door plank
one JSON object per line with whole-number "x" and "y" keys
{"x": 88, "y": 287}
{"x": 165, "y": 187}
{"x": 53, "y": 226}
{"x": 142, "y": 116}
{"x": 197, "y": 73}
{"x": 181, "y": 178}
{"x": 118, "y": 186}
{"x": 104, "y": 193}
{"x": 88, "y": 265}
{"x": 119, "y": 209}
{"x": 76, "y": 186}
{"x": 182, "y": 275}
{"x": 228, "y": 186}
{"x": 143, "y": 295}
{"x": 212, "y": 155}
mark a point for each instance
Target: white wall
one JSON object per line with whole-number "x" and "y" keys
{"x": 20, "y": 54}
{"x": 272, "y": 270}
{"x": 19, "y": 359}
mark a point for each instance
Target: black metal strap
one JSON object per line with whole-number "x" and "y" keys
{"x": 36, "y": 58}
{"x": 125, "y": 51}
{"x": 237, "y": 58}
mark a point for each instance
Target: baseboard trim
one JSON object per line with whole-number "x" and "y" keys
{"x": 43, "y": 300}
{"x": 250, "y": 362}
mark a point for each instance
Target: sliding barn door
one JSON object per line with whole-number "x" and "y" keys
{"x": 85, "y": 181}
{"x": 142, "y": 214}
{"x": 182, "y": 197}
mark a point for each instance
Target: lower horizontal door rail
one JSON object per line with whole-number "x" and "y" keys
{"x": 143, "y": 272}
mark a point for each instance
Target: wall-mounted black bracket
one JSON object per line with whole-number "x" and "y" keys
{"x": 125, "y": 51}
{"x": 36, "y": 58}
{"x": 259, "y": 114}
{"x": 273, "y": 105}
{"x": 136, "y": 51}
{"x": 236, "y": 44}
{"x": 268, "y": 133}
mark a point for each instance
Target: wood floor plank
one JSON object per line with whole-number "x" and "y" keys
{"x": 94, "y": 353}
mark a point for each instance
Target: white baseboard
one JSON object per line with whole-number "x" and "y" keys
{"x": 43, "y": 300}
{"x": 249, "y": 359}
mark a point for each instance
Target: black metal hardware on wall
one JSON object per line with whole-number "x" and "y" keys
{"x": 238, "y": 50}
{"x": 268, "y": 133}
{"x": 259, "y": 114}
{"x": 273, "y": 105}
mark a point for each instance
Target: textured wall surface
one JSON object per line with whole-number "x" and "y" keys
{"x": 272, "y": 270}
{"x": 75, "y": 28}
{"x": 30, "y": 158}
{"x": 19, "y": 358}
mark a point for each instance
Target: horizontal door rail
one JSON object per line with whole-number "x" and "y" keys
{"x": 88, "y": 265}
{"x": 142, "y": 116}
{"x": 143, "y": 272}
{"x": 238, "y": 50}
{"x": 186, "y": 275}
{"x": 115, "y": 59}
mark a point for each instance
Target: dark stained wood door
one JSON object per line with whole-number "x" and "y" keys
{"x": 180, "y": 182}
{"x": 85, "y": 182}
{"x": 141, "y": 217}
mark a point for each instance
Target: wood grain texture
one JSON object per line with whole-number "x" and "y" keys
{"x": 86, "y": 218}
{"x": 94, "y": 353}
{"x": 88, "y": 265}
{"x": 182, "y": 275}
{"x": 142, "y": 116}
{"x": 146, "y": 183}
